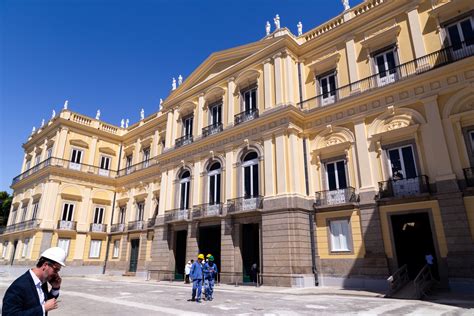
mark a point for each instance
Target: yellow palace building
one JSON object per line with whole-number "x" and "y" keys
{"x": 336, "y": 156}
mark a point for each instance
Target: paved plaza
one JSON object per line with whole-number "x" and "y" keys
{"x": 129, "y": 296}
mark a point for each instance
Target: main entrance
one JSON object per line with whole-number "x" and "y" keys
{"x": 180, "y": 254}
{"x": 250, "y": 251}
{"x": 135, "y": 246}
{"x": 210, "y": 242}
{"x": 413, "y": 242}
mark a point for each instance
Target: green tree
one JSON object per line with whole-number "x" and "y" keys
{"x": 5, "y": 204}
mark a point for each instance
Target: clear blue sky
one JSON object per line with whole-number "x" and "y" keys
{"x": 117, "y": 56}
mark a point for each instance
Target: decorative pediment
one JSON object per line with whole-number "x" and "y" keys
{"x": 107, "y": 150}
{"x": 461, "y": 102}
{"x": 445, "y": 10}
{"x": 186, "y": 108}
{"x": 381, "y": 36}
{"x": 325, "y": 63}
{"x": 333, "y": 139}
{"x": 246, "y": 78}
{"x": 71, "y": 193}
{"x": 79, "y": 143}
{"x": 394, "y": 123}
{"x": 214, "y": 94}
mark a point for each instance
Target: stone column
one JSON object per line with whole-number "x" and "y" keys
{"x": 352, "y": 63}
{"x": 365, "y": 168}
{"x": 282, "y": 177}
{"x": 169, "y": 129}
{"x": 230, "y": 101}
{"x": 164, "y": 194}
{"x": 136, "y": 151}
{"x": 162, "y": 251}
{"x": 155, "y": 144}
{"x": 60, "y": 144}
{"x": 278, "y": 79}
{"x": 289, "y": 79}
{"x": 192, "y": 247}
{"x": 149, "y": 209}
{"x": 269, "y": 165}
{"x": 176, "y": 127}
{"x": 415, "y": 33}
{"x": 267, "y": 82}
{"x": 227, "y": 250}
{"x": 196, "y": 185}
{"x": 229, "y": 173}
{"x": 296, "y": 163}
{"x": 199, "y": 116}
{"x": 92, "y": 150}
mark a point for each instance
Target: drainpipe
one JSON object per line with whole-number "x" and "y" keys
{"x": 111, "y": 217}
{"x": 306, "y": 179}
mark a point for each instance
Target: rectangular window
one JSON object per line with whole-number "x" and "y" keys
{"x": 37, "y": 160}
{"x": 116, "y": 248}
{"x": 461, "y": 33}
{"x": 49, "y": 152}
{"x": 146, "y": 157}
{"x": 13, "y": 216}
{"x": 5, "y": 248}
{"x": 339, "y": 231}
{"x": 104, "y": 166}
{"x": 327, "y": 88}
{"x": 336, "y": 175}
{"x": 76, "y": 159}
{"x": 216, "y": 114}
{"x": 402, "y": 162}
{"x": 34, "y": 215}
{"x": 123, "y": 209}
{"x": 95, "y": 249}
{"x": 26, "y": 248}
{"x": 140, "y": 210}
{"x": 386, "y": 67}
{"x": 249, "y": 98}
{"x": 63, "y": 243}
{"x": 28, "y": 165}
{"x": 24, "y": 210}
{"x": 128, "y": 163}
{"x": 68, "y": 212}
{"x": 188, "y": 126}
{"x": 98, "y": 215}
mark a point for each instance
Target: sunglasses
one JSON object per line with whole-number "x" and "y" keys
{"x": 55, "y": 267}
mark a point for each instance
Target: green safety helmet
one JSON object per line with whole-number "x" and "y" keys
{"x": 211, "y": 258}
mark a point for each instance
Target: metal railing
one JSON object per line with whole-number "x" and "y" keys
{"x": 245, "y": 204}
{"x": 67, "y": 164}
{"x": 138, "y": 166}
{"x": 136, "y": 225}
{"x": 212, "y": 129}
{"x": 207, "y": 210}
{"x": 66, "y": 225}
{"x": 177, "y": 215}
{"x": 404, "y": 187}
{"x": 336, "y": 197}
{"x": 414, "y": 67}
{"x": 32, "y": 223}
{"x": 469, "y": 176}
{"x": 151, "y": 222}
{"x": 245, "y": 116}
{"x": 398, "y": 280}
{"x": 183, "y": 140}
{"x": 98, "y": 228}
{"x": 114, "y": 228}
{"x": 423, "y": 281}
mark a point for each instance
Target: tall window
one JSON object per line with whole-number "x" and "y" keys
{"x": 26, "y": 247}
{"x": 215, "y": 111}
{"x": 385, "y": 64}
{"x": 34, "y": 215}
{"x": 94, "y": 251}
{"x": 104, "y": 166}
{"x": 188, "y": 126}
{"x": 140, "y": 210}
{"x": 402, "y": 162}
{"x": 37, "y": 160}
{"x": 5, "y": 248}
{"x": 214, "y": 174}
{"x": 76, "y": 159}
{"x": 184, "y": 182}
{"x": 461, "y": 33}
{"x": 63, "y": 243}
{"x": 13, "y": 215}
{"x": 28, "y": 165}
{"x": 250, "y": 167}
{"x": 336, "y": 175}
{"x": 327, "y": 88}
{"x": 128, "y": 163}
{"x": 24, "y": 210}
{"x": 68, "y": 212}
{"x": 98, "y": 215}
{"x": 249, "y": 99}
{"x": 339, "y": 230}
{"x": 146, "y": 157}
{"x": 49, "y": 152}
{"x": 116, "y": 248}
{"x": 122, "y": 211}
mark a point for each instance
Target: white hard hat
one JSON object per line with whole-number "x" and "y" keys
{"x": 56, "y": 254}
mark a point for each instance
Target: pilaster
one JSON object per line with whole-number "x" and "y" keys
{"x": 268, "y": 148}
{"x": 281, "y": 163}
{"x": 278, "y": 79}
{"x": 267, "y": 82}
{"x": 415, "y": 33}
{"x": 199, "y": 117}
{"x": 362, "y": 148}
{"x": 230, "y": 101}
{"x": 92, "y": 150}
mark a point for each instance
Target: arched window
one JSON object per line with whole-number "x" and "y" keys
{"x": 250, "y": 167}
{"x": 184, "y": 182}
{"x": 214, "y": 174}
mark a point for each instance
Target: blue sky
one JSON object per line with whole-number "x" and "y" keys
{"x": 117, "y": 56}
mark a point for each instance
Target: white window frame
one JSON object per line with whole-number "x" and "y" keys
{"x": 340, "y": 235}
{"x": 34, "y": 213}
{"x": 24, "y": 212}
{"x": 95, "y": 247}
{"x": 459, "y": 29}
{"x": 402, "y": 160}
{"x": 99, "y": 213}
{"x": 28, "y": 165}
{"x": 4, "y": 250}
{"x": 146, "y": 157}
{"x": 64, "y": 244}
{"x": 140, "y": 210}
{"x": 116, "y": 249}
{"x": 248, "y": 107}
{"x": 69, "y": 211}
{"x": 213, "y": 177}
{"x": 186, "y": 183}
{"x": 331, "y": 94}
{"x": 215, "y": 114}
{"x": 104, "y": 167}
{"x": 188, "y": 125}
{"x": 250, "y": 164}
{"x": 25, "y": 251}
{"x": 389, "y": 77}
{"x": 122, "y": 214}
{"x": 76, "y": 158}
{"x": 128, "y": 163}
{"x": 336, "y": 174}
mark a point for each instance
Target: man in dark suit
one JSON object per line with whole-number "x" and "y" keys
{"x": 29, "y": 295}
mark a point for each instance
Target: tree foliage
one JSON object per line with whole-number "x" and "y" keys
{"x": 5, "y": 204}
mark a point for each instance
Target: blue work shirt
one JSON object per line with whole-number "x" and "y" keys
{"x": 196, "y": 271}
{"x": 210, "y": 270}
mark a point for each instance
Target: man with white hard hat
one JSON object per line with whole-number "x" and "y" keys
{"x": 29, "y": 295}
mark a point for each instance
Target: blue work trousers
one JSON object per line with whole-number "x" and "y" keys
{"x": 197, "y": 287}
{"x": 208, "y": 288}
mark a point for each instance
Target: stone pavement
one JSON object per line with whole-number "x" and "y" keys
{"x": 105, "y": 295}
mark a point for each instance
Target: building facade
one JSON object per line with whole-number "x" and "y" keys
{"x": 333, "y": 157}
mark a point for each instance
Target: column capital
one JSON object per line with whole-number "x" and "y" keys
{"x": 230, "y": 79}
{"x": 268, "y": 60}
{"x": 430, "y": 99}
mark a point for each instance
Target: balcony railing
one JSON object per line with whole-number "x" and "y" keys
{"x": 98, "y": 228}
{"x": 137, "y": 225}
{"x": 207, "y": 210}
{"x": 30, "y": 224}
{"x": 66, "y": 225}
{"x": 63, "y": 163}
{"x": 469, "y": 176}
{"x": 245, "y": 204}
{"x": 184, "y": 140}
{"x": 151, "y": 222}
{"x": 336, "y": 197}
{"x": 176, "y": 215}
{"x": 409, "y": 69}
{"x": 138, "y": 166}
{"x": 212, "y": 129}
{"x": 245, "y": 116}
{"x": 409, "y": 187}
{"x": 114, "y": 228}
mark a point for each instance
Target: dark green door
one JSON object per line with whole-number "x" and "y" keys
{"x": 135, "y": 243}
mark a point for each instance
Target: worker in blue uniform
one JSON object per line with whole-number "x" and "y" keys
{"x": 210, "y": 275}
{"x": 196, "y": 276}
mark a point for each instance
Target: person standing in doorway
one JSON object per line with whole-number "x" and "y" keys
{"x": 196, "y": 276}
{"x": 187, "y": 270}
{"x": 210, "y": 275}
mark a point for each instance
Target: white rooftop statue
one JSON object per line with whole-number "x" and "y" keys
{"x": 53, "y": 114}
{"x": 142, "y": 114}
{"x": 126, "y": 123}
{"x": 346, "y": 5}
{"x": 42, "y": 122}
{"x": 122, "y": 123}
{"x": 268, "y": 28}
{"x": 97, "y": 115}
{"x": 180, "y": 80}
{"x": 276, "y": 19}
{"x": 300, "y": 28}
{"x": 161, "y": 104}
{"x": 173, "y": 85}
{"x": 33, "y": 130}
{"x": 65, "y": 104}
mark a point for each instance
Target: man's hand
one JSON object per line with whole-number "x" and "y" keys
{"x": 56, "y": 283}
{"x": 51, "y": 304}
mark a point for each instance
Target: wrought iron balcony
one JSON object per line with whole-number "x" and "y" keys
{"x": 151, "y": 222}
{"x": 409, "y": 69}
{"x": 245, "y": 116}
{"x": 245, "y": 204}
{"x": 409, "y": 187}
{"x": 176, "y": 215}
{"x": 137, "y": 225}
{"x": 98, "y": 228}
{"x": 30, "y": 224}
{"x": 207, "y": 210}
{"x": 138, "y": 166}
{"x": 184, "y": 140}
{"x": 469, "y": 176}
{"x": 115, "y": 228}
{"x": 212, "y": 129}
{"x": 336, "y": 197}
{"x": 66, "y": 225}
